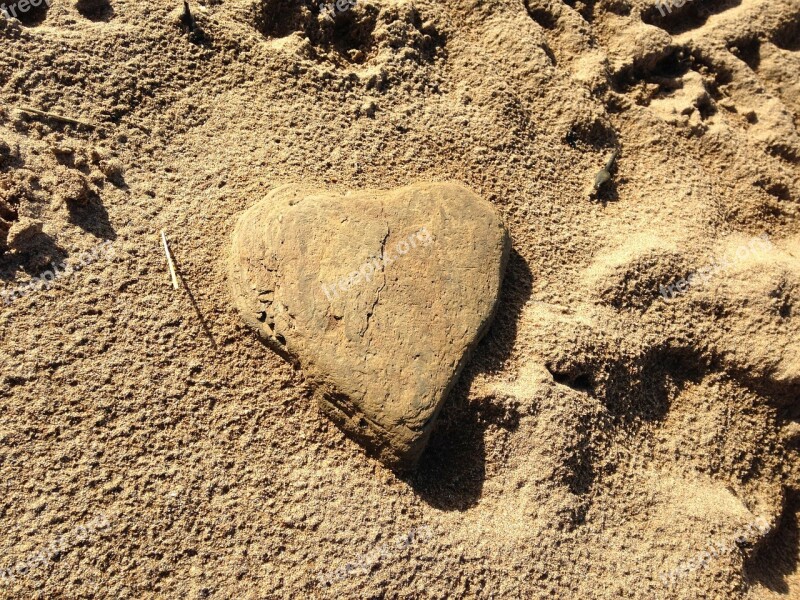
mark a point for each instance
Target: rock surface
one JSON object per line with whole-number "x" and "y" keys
{"x": 379, "y": 296}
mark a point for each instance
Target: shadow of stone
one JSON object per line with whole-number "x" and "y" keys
{"x": 33, "y": 258}
{"x": 452, "y": 469}
{"x": 92, "y": 217}
{"x": 495, "y": 348}
{"x": 777, "y": 557}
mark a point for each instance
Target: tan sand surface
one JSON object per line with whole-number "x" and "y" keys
{"x": 604, "y": 441}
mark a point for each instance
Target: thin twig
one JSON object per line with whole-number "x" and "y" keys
{"x": 54, "y": 116}
{"x": 170, "y": 264}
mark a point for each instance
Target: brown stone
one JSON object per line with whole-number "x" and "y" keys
{"x": 73, "y": 187}
{"x": 382, "y": 340}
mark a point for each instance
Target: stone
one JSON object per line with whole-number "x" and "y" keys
{"x": 113, "y": 170}
{"x": 25, "y": 232}
{"x": 73, "y": 187}
{"x": 379, "y": 296}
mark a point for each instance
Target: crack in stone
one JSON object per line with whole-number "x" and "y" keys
{"x": 371, "y": 311}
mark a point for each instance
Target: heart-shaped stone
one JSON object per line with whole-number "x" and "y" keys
{"x": 379, "y": 296}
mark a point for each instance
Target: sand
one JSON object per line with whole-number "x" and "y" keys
{"x": 606, "y": 440}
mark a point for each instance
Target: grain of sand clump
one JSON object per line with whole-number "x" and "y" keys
{"x": 603, "y": 441}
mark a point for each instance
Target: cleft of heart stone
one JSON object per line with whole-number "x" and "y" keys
{"x": 379, "y": 296}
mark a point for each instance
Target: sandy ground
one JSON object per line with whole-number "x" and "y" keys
{"x": 605, "y": 441}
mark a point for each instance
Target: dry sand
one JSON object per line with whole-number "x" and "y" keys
{"x": 601, "y": 437}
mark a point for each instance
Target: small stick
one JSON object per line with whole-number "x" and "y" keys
{"x": 170, "y": 264}
{"x": 63, "y": 119}
{"x": 187, "y": 18}
{"x": 604, "y": 174}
